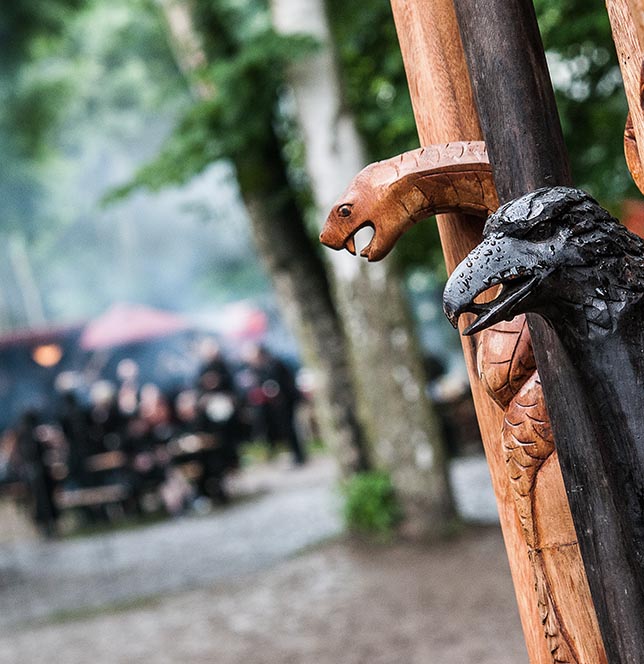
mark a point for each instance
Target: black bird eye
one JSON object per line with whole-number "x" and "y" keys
{"x": 344, "y": 210}
{"x": 539, "y": 233}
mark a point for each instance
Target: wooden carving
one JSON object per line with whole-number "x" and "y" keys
{"x": 557, "y": 253}
{"x": 507, "y": 369}
{"x": 631, "y": 147}
{"x": 391, "y": 196}
{"x": 632, "y": 154}
{"x": 627, "y": 24}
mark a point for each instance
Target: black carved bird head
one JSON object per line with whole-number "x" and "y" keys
{"x": 548, "y": 249}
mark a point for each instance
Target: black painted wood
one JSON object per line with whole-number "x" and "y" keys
{"x": 521, "y": 127}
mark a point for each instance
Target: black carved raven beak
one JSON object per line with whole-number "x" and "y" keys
{"x": 495, "y": 261}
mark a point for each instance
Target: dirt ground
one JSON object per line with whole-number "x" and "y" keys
{"x": 267, "y": 580}
{"x": 343, "y": 602}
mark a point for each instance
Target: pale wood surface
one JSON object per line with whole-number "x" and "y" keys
{"x": 627, "y": 23}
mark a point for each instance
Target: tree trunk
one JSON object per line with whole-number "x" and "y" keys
{"x": 303, "y": 290}
{"x": 294, "y": 265}
{"x": 403, "y": 429}
{"x": 33, "y": 309}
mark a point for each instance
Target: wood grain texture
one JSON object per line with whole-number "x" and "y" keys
{"x": 558, "y": 254}
{"x": 627, "y": 24}
{"x": 433, "y": 72}
{"x": 636, "y": 9}
{"x": 391, "y": 196}
{"x": 507, "y": 369}
{"x": 525, "y": 145}
{"x": 632, "y": 155}
{"x": 514, "y": 95}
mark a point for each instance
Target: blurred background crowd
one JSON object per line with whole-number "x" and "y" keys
{"x": 139, "y": 414}
{"x": 147, "y": 427}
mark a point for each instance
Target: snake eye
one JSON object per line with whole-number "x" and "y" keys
{"x": 344, "y": 210}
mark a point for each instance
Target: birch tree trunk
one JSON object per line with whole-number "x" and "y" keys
{"x": 293, "y": 263}
{"x": 403, "y": 430}
{"x": 32, "y": 305}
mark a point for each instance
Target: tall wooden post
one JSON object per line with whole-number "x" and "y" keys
{"x": 444, "y": 110}
{"x": 518, "y": 114}
{"x": 627, "y": 23}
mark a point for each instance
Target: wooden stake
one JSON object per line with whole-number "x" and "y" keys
{"x": 444, "y": 110}
{"x": 627, "y": 23}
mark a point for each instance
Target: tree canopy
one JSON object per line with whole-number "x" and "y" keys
{"x": 76, "y": 75}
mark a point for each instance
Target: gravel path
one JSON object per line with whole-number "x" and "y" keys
{"x": 38, "y": 578}
{"x": 343, "y": 603}
{"x": 245, "y": 585}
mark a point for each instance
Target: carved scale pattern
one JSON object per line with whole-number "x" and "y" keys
{"x": 507, "y": 368}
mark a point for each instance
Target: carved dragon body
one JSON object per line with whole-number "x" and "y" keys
{"x": 390, "y": 197}
{"x": 555, "y": 252}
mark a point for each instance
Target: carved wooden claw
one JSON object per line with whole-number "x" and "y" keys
{"x": 391, "y": 196}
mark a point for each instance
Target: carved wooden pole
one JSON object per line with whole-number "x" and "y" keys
{"x": 525, "y": 144}
{"x": 444, "y": 110}
{"x": 627, "y": 23}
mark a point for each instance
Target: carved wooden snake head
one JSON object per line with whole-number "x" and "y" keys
{"x": 366, "y": 203}
{"x": 554, "y": 250}
{"x": 391, "y": 196}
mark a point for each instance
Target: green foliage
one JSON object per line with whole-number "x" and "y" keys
{"x": 25, "y": 114}
{"x": 80, "y": 72}
{"x": 374, "y": 76}
{"x": 24, "y": 21}
{"x": 244, "y": 76}
{"x": 590, "y": 98}
{"x": 89, "y": 102}
{"x": 371, "y": 506}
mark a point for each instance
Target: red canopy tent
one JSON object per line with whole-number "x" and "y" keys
{"x": 124, "y": 324}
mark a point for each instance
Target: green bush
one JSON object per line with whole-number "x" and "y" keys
{"x": 370, "y": 505}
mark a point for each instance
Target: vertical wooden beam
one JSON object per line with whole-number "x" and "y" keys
{"x": 636, "y": 10}
{"x": 518, "y": 114}
{"x": 444, "y": 110}
{"x": 627, "y": 24}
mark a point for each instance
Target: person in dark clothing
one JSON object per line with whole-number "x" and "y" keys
{"x": 219, "y": 418}
{"x": 146, "y": 437}
{"x": 280, "y": 396}
{"x": 104, "y": 420}
{"x": 36, "y": 474}
{"x": 74, "y": 424}
{"x": 214, "y": 375}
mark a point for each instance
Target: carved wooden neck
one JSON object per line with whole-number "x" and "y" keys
{"x": 456, "y": 178}
{"x": 392, "y": 195}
